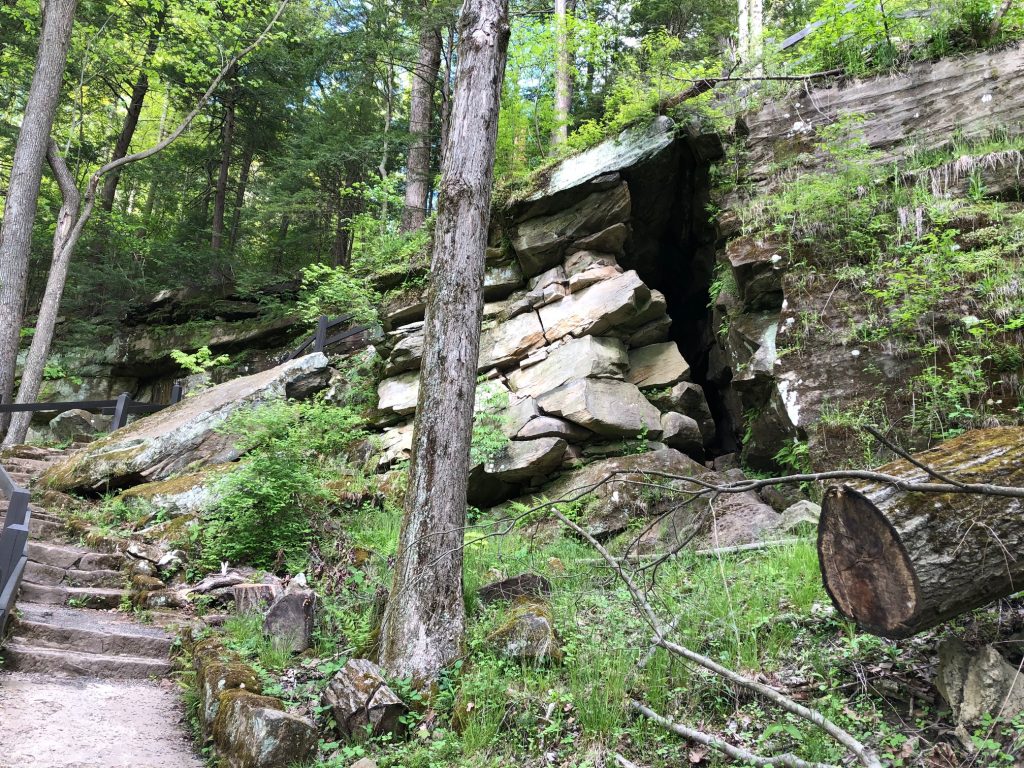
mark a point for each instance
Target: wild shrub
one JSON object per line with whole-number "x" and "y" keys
{"x": 263, "y": 516}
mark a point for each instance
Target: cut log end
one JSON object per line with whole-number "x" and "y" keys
{"x": 864, "y": 565}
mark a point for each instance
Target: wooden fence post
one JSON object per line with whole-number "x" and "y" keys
{"x": 120, "y": 412}
{"x": 321, "y": 334}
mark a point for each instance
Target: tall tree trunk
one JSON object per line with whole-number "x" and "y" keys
{"x": 743, "y": 47}
{"x": 563, "y": 76}
{"x": 756, "y": 35}
{"x": 243, "y": 182}
{"x": 131, "y": 120}
{"x": 220, "y": 196}
{"x": 424, "y": 621}
{"x": 446, "y": 92}
{"x": 421, "y": 111}
{"x": 32, "y": 375}
{"x": 23, "y": 188}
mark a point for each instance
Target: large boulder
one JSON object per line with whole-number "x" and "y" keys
{"x": 528, "y": 633}
{"x": 523, "y": 460}
{"x": 634, "y": 146}
{"x": 289, "y": 622}
{"x": 596, "y": 309}
{"x": 185, "y": 494}
{"x": 540, "y": 242}
{"x": 158, "y": 446}
{"x": 362, "y": 704}
{"x": 977, "y": 685}
{"x": 619, "y": 491}
{"x": 605, "y": 406}
{"x": 505, "y": 343}
{"x": 657, "y": 365}
{"x": 576, "y": 359}
{"x": 73, "y": 425}
{"x": 398, "y": 395}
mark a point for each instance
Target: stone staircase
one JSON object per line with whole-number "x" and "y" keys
{"x": 82, "y": 684}
{"x": 64, "y": 623}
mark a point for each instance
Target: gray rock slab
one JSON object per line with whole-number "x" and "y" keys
{"x": 605, "y": 406}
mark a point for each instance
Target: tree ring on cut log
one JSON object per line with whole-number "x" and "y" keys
{"x": 870, "y": 577}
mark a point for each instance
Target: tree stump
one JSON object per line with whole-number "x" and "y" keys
{"x": 362, "y": 704}
{"x": 898, "y": 563}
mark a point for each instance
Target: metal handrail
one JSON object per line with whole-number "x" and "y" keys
{"x": 121, "y": 408}
{"x": 13, "y": 544}
{"x": 318, "y": 341}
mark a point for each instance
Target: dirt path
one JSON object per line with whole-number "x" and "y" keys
{"x": 86, "y": 723}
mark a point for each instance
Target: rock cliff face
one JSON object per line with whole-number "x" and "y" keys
{"x": 792, "y": 351}
{"x": 598, "y": 283}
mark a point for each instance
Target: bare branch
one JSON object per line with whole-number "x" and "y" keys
{"x": 907, "y": 457}
{"x": 736, "y": 753}
{"x": 863, "y": 754}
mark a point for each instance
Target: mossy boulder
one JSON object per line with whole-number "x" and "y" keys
{"x": 183, "y": 494}
{"x": 220, "y": 672}
{"x": 161, "y": 445}
{"x": 528, "y": 633}
{"x": 253, "y": 731}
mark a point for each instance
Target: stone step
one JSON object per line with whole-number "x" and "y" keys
{"x": 87, "y": 631}
{"x": 64, "y": 663}
{"x": 58, "y": 555}
{"x": 96, "y": 578}
{"x": 26, "y": 464}
{"x": 31, "y": 452}
{"x": 68, "y": 556}
{"x": 20, "y": 478}
{"x": 52, "y": 576}
{"x": 46, "y": 529}
{"x": 47, "y": 575}
{"x": 84, "y": 597}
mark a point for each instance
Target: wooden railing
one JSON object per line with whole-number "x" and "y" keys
{"x": 121, "y": 408}
{"x": 318, "y": 341}
{"x": 13, "y": 544}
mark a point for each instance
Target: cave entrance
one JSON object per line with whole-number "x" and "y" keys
{"x": 672, "y": 248}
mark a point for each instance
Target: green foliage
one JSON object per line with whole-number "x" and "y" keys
{"x": 840, "y": 209}
{"x": 333, "y": 291}
{"x": 200, "y": 361}
{"x": 489, "y": 422}
{"x": 244, "y": 635}
{"x": 794, "y": 456}
{"x": 264, "y": 508}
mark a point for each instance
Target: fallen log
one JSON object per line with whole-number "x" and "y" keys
{"x": 899, "y": 562}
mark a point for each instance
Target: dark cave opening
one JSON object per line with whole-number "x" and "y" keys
{"x": 672, "y": 248}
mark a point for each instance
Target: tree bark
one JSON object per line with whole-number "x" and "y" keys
{"x": 756, "y": 35}
{"x": 424, "y": 621}
{"x": 421, "y": 112}
{"x": 220, "y": 195}
{"x": 32, "y": 375}
{"x": 743, "y": 29}
{"x": 161, "y": 133}
{"x": 898, "y": 563}
{"x": 23, "y": 188}
{"x": 243, "y": 182}
{"x": 563, "y": 76}
{"x": 131, "y": 120}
